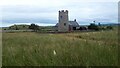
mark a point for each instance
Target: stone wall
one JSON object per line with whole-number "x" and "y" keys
{"x": 63, "y": 25}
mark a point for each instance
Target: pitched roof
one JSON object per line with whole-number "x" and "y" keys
{"x": 56, "y": 25}
{"x": 72, "y": 23}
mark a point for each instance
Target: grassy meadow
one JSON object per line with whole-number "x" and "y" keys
{"x": 72, "y": 49}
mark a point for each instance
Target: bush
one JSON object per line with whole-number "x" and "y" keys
{"x": 4, "y": 29}
{"x": 92, "y": 26}
{"x": 109, "y": 27}
{"x": 16, "y": 28}
{"x": 34, "y": 27}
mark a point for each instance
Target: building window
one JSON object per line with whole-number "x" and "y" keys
{"x": 64, "y": 24}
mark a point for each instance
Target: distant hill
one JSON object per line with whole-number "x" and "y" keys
{"x": 110, "y": 24}
{"x": 107, "y": 24}
{"x": 19, "y": 27}
{"x": 26, "y": 27}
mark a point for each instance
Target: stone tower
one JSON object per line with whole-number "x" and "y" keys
{"x": 63, "y": 25}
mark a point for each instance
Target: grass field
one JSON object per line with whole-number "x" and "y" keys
{"x": 72, "y": 49}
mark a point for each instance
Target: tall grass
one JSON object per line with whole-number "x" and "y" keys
{"x": 72, "y": 49}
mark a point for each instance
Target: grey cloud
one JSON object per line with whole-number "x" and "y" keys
{"x": 25, "y": 9}
{"x": 96, "y": 11}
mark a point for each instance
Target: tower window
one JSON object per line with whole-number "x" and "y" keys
{"x": 60, "y": 16}
{"x": 64, "y": 24}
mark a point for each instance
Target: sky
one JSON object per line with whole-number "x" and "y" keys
{"x": 45, "y": 12}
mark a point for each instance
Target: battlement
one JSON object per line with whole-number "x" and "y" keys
{"x": 64, "y": 11}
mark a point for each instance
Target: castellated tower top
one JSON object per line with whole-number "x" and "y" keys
{"x": 64, "y": 11}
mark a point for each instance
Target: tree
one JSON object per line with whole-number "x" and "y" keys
{"x": 34, "y": 27}
{"x": 92, "y": 26}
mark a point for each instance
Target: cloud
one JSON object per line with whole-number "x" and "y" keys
{"x": 48, "y": 2}
{"x": 47, "y": 11}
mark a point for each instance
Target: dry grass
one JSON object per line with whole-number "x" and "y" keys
{"x": 72, "y": 49}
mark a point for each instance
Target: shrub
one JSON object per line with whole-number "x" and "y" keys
{"x": 92, "y": 26}
{"x": 109, "y": 27}
{"x": 34, "y": 27}
{"x": 4, "y": 29}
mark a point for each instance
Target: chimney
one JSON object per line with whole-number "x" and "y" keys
{"x": 75, "y": 20}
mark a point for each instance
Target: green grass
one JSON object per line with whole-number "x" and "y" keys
{"x": 72, "y": 49}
